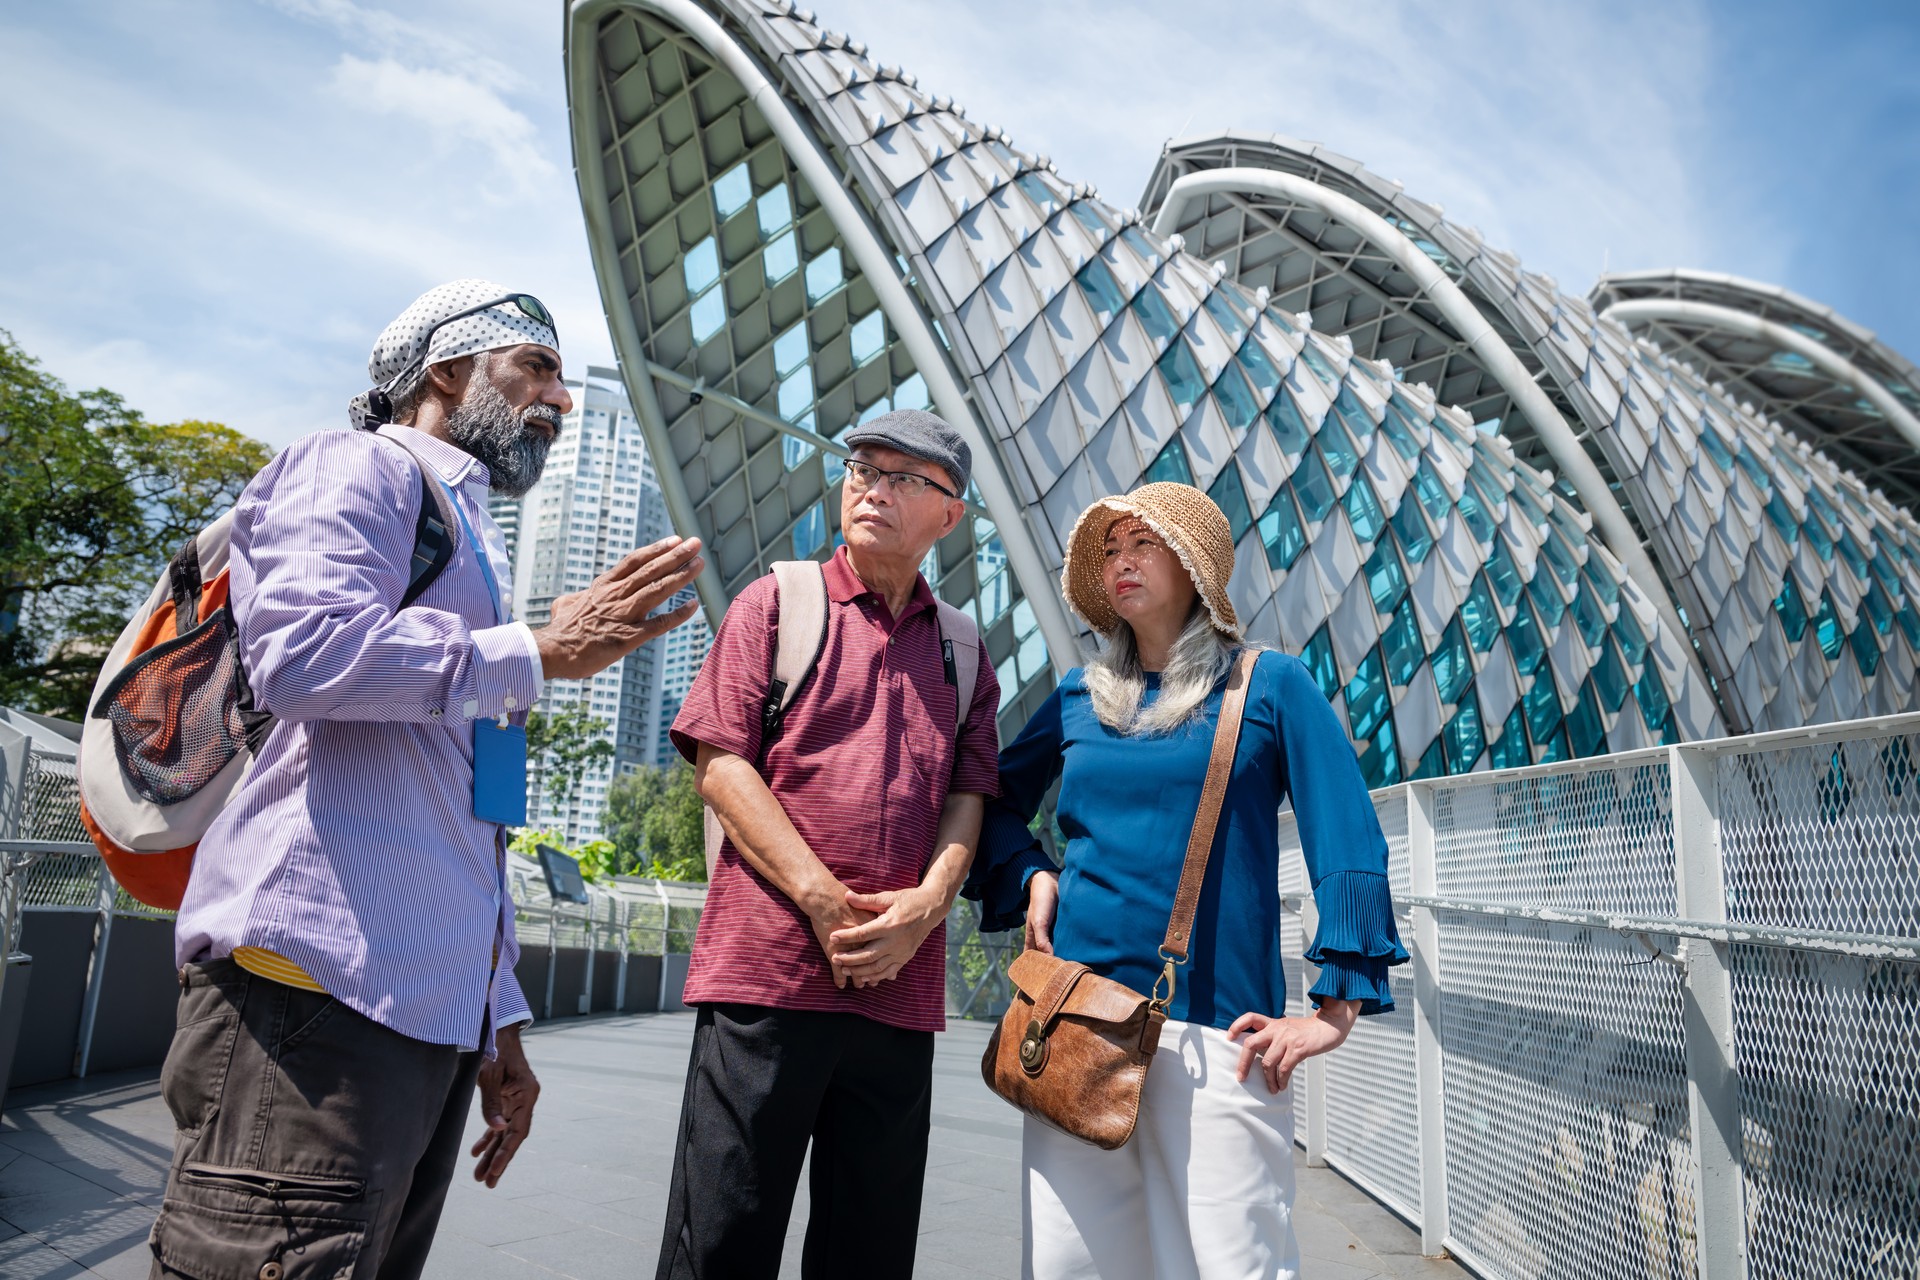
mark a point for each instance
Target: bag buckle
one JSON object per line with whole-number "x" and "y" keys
{"x": 1166, "y": 978}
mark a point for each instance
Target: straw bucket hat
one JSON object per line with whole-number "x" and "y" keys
{"x": 1186, "y": 519}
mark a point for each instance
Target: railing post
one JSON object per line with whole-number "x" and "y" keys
{"x": 1314, "y": 1070}
{"x": 96, "y": 972}
{"x": 1429, "y": 1086}
{"x": 586, "y": 984}
{"x": 666, "y": 921}
{"x": 620, "y": 974}
{"x": 553, "y": 954}
{"x": 1713, "y": 1082}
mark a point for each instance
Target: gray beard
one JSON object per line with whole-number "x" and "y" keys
{"x": 486, "y": 426}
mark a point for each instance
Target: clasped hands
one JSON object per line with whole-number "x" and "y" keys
{"x": 869, "y": 937}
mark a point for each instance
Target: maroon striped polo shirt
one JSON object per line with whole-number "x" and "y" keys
{"x": 862, "y": 764}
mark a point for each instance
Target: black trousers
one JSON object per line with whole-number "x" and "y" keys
{"x": 310, "y": 1140}
{"x": 761, "y": 1085}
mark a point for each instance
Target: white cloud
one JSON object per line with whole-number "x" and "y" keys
{"x": 450, "y": 110}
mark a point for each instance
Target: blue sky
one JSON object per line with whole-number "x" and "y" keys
{"x": 214, "y": 205}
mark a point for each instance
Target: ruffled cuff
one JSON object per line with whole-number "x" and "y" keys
{"x": 1357, "y": 941}
{"x": 1001, "y": 888}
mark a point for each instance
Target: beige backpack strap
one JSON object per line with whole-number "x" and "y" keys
{"x": 960, "y": 649}
{"x": 798, "y": 639}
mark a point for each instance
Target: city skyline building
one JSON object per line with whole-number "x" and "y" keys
{"x": 1498, "y": 528}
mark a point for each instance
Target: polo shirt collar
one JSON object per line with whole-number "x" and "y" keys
{"x": 844, "y": 585}
{"x": 452, "y": 463}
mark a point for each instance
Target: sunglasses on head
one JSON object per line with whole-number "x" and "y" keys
{"x": 530, "y": 307}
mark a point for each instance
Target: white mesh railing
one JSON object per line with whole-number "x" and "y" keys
{"x": 1662, "y": 1019}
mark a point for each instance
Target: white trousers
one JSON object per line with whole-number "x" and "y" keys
{"x": 1203, "y": 1191}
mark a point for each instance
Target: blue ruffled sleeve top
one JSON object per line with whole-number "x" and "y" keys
{"x": 1126, "y": 808}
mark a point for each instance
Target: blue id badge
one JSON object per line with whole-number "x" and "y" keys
{"x": 500, "y": 773}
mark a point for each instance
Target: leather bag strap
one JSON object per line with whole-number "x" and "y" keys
{"x": 1226, "y": 738}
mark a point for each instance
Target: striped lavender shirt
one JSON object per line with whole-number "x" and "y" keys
{"x": 352, "y": 849}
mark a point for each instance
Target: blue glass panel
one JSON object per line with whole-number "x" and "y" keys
{"x": 701, "y": 266}
{"x": 1416, "y": 539}
{"x": 1502, "y": 573}
{"x": 1282, "y": 532}
{"x": 794, "y": 451}
{"x": 1182, "y": 373}
{"x": 1143, "y": 248}
{"x": 1102, "y": 290}
{"x": 1259, "y": 369}
{"x": 1529, "y": 505}
{"x": 1363, "y": 510}
{"x": 1552, "y": 608}
{"x": 1317, "y": 656}
{"x": 1313, "y": 487}
{"x": 1826, "y": 627}
{"x": 869, "y": 337}
{"x": 1586, "y": 731}
{"x": 1084, "y": 212}
{"x": 1633, "y": 641}
{"x": 1367, "y": 699}
{"x": 1237, "y": 404}
{"x": 1380, "y": 766}
{"x": 1543, "y": 706}
{"x": 1883, "y": 570}
{"x": 1452, "y": 664}
{"x": 709, "y": 314}
{"x": 912, "y": 394}
{"x": 1782, "y": 518}
{"x": 1510, "y": 748}
{"x": 1038, "y": 192}
{"x": 1386, "y": 580}
{"x": 1590, "y": 618}
{"x": 790, "y": 349}
{"x": 1755, "y": 469}
{"x": 1600, "y": 582}
{"x": 1910, "y": 623}
{"x": 1560, "y": 556}
{"x": 774, "y": 211}
{"x": 1401, "y": 647}
{"x": 1433, "y": 762}
{"x": 1717, "y": 449}
{"x": 1359, "y": 421}
{"x": 731, "y": 191}
{"x": 1878, "y": 609}
{"x": 1554, "y": 749}
{"x": 1818, "y": 501}
{"x": 796, "y": 393}
{"x": 1610, "y": 678}
{"x": 1463, "y": 735}
{"x": 1155, "y": 315}
{"x": 1817, "y": 535}
{"x": 1866, "y": 650}
{"x": 781, "y": 258}
{"x": 824, "y": 274}
{"x": 1432, "y": 494}
{"x": 1652, "y": 697}
{"x": 1400, "y": 431}
{"x": 1231, "y": 497}
{"x": 1289, "y": 429}
{"x": 1525, "y": 641}
{"x": 1342, "y": 458}
{"x": 1479, "y": 522}
{"x": 1478, "y": 612}
{"x": 1850, "y": 552}
{"x": 1225, "y": 316}
{"x": 1171, "y": 464}
{"x": 809, "y": 532}
{"x": 1318, "y": 363}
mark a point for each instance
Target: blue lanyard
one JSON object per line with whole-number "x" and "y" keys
{"x": 479, "y": 552}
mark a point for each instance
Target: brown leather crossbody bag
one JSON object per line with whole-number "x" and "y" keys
{"x": 1073, "y": 1048}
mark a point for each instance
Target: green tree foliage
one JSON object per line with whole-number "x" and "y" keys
{"x": 94, "y": 500}
{"x": 562, "y": 746}
{"x": 654, "y": 819}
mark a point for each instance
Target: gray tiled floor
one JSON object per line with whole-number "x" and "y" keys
{"x": 82, "y": 1163}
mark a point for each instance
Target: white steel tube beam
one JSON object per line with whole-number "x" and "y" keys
{"x": 1554, "y": 432}
{"x": 1741, "y": 324}
{"x": 869, "y": 253}
{"x": 1429, "y": 1066}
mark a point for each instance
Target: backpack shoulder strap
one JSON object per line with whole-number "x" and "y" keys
{"x": 799, "y": 638}
{"x": 433, "y": 537}
{"x": 960, "y": 647}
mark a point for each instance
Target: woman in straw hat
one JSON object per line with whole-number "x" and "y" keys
{"x": 1205, "y": 1186}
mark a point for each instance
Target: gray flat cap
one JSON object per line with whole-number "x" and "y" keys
{"x": 921, "y": 435}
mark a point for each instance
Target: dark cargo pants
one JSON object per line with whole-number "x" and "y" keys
{"x": 312, "y": 1143}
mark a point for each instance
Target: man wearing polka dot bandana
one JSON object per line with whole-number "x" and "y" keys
{"x": 346, "y": 944}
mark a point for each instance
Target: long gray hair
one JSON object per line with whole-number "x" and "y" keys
{"x": 1200, "y": 659}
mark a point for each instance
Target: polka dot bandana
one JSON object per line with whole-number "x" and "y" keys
{"x": 423, "y": 335}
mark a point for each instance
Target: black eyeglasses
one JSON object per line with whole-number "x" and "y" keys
{"x": 530, "y": 307}
{"x": 908, "y": 484}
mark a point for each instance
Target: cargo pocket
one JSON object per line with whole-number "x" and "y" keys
{"x": 221, "y": 1223}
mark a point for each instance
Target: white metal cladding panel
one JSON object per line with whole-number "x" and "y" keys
{"x": 1568, "y": 1149}
{"x": 1825, "y": 836}
{"x": 1826, "y": 1047}
{"x": 1592, "y": 839}
{"x": 1373, "y": 1118}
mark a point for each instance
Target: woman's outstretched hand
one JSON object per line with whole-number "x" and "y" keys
{"x": 1281, "y": 1044}
{"x": 1043, "y": 899}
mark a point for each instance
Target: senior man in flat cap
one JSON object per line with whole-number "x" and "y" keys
{"x": 851, "y": 818}
{"x": 346, "y": 944}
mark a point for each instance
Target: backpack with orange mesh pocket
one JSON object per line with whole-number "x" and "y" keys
{"x": 173, "y": 728}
